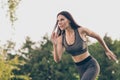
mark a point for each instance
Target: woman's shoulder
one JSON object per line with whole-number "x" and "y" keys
{"x": 81, "y": 29}
{"x": 84, "y": 30}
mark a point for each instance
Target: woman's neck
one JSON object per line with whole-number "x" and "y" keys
{"x": 69, "y": 31}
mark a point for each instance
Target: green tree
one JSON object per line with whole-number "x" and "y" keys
{"x": 41, "y": 65}
{"x": 9, "y": 64}
{"x": 11, "y": 6}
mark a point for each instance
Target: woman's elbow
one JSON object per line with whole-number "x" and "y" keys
{"x": 57, "y": 60}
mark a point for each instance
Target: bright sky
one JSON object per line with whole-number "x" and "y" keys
{"x": 37, "y": 18}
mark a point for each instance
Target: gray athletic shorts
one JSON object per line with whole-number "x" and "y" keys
{"x": 88, "y": 68}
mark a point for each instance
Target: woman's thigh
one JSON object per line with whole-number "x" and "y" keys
{"x": 89, "y": 70}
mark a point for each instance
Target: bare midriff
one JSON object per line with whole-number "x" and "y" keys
{"x": 80, "y": 57}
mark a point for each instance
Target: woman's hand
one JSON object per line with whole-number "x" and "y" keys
{"x": 111, "y": 55}
{"x": 54, "y": 38}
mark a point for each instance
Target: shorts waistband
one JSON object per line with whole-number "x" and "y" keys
{"x": 84, "y": 61}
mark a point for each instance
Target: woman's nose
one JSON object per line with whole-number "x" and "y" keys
{"x": 59, "y": 23}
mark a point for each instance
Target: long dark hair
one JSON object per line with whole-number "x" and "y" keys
{"x": 73, "y": 24}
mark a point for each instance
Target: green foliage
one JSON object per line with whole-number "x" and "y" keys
{"x": 9, "y": 63}
{"x": 12, "y": 6}
{"x": 7, "y": 67}
{"x": 41, "y": 65}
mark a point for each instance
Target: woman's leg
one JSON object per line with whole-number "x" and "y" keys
{"x": 89, "y": 70}
{"x": 92, "y": 70}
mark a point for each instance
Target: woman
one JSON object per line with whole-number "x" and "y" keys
{"x": 73, "y": 38}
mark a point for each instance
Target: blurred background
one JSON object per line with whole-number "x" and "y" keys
{"x": 25, "y": 46}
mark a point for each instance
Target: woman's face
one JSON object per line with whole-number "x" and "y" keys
{"x": 63, "y": 22}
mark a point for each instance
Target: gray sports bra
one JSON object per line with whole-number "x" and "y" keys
{"x": 78, "y": 47}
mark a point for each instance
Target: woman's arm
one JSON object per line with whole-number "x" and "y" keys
{"x": 92, "y": 34}
{"x": 57, "y": 47}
